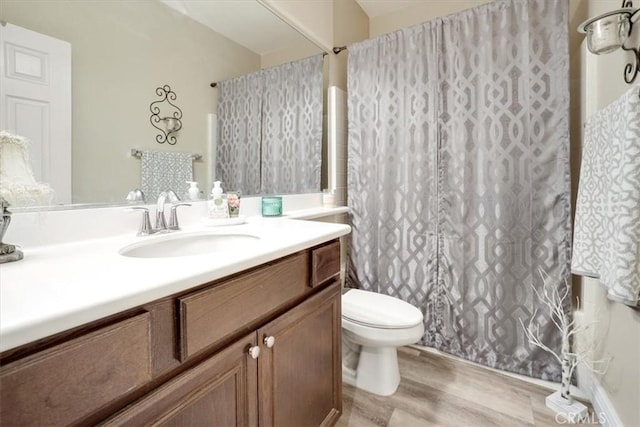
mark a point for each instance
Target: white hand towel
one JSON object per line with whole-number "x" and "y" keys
{"x": 606, "y": 240}
{"x": 165, "y": 170}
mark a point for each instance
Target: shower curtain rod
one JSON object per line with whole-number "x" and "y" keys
{"x": 339, "y": 49}
{"x": 215, "y": 84}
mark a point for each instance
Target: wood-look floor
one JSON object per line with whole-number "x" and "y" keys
{"x": 437, "y": 390}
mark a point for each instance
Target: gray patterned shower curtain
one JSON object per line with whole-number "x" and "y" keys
{"x": 459, "y": 181}
{"x": 239, "y": 132}
{"x": 292, "y": 127}
{"x": 270, "y": 129}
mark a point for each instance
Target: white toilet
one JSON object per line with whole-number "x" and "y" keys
{"x": 373, "y": 326}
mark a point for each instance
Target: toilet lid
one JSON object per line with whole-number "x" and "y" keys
{"x": 379, "y": 310}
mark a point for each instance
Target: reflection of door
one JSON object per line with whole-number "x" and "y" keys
{"x": 35, "y": 95}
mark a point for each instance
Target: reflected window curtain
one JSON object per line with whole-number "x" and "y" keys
{"x": 239, "y": 127}
{"x": 493, "y": 207}
{"x": 292, "y": 127}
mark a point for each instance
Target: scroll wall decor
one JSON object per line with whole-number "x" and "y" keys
{"x": 166, "y": 116}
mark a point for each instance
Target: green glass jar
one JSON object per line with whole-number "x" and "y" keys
{"x": 272, "y": 206}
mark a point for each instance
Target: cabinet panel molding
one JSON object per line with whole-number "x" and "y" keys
{"x": 69, "y": 381}
{"x": 325, "y": 263}
{"x": 210, "y": 315}
{"x": 221, "y": 391}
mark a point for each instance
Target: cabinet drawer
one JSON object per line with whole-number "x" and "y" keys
{"x": 65, "y": 383}
{"x": 208, "y": 316}
{"x": 325, "y": 263}
{"x": 220, "y": 391}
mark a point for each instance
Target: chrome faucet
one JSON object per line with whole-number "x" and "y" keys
{"x": 161, "y": 221}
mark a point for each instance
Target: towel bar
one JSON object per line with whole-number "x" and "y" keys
{"x": 138, "y": 153}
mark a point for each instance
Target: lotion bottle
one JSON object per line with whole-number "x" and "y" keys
{"x": 194, "y": 191}
{"x": 218, "y": 207}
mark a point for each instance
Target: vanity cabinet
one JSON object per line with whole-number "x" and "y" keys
{"x": 261, "y": 348}
{"x": 283, "y": 374}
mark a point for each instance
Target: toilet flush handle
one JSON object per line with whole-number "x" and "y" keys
{"x": 269, "y": 341}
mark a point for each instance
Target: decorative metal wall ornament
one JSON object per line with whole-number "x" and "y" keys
{"x": 167, "y": 124}
{"x": 610, "y": 31}
{"x": 631, "y": 71}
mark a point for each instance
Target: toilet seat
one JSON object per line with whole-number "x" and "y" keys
{"x": 378, "y": 310}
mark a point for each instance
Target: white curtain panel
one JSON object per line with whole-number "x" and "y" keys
{"x": 459, "y": 175}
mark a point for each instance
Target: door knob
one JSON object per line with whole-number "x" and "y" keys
{"x": 254, "y": 351}
{"x": 269, "y": 341}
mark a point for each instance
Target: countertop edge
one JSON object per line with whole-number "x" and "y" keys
{"x": 30, "y": 329}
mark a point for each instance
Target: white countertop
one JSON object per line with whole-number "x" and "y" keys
{"x": 61, "y": 286}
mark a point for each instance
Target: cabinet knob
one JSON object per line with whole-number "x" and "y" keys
{"x": 254, "y": 352}
{"x": 269, "y": 341}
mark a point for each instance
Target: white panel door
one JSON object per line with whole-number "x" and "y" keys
{"x": 35, "y": 95}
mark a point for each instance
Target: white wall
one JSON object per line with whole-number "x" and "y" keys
{"x": 312, "y": 18}
{"x": 423, "y": 11}
{"x": 288, "y": 54}
{"x": 351, "y": 25}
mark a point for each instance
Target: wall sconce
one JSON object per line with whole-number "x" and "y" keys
{"x": 168, "y": 125}
{"x": 610, "y": 31}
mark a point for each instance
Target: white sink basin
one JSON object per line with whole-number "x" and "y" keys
{"x": 179, "y": 245}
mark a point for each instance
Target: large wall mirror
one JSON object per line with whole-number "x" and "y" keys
{"x": 121, "y": 52}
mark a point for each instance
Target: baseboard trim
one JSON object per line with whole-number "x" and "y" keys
{"x": 602, "y": 406}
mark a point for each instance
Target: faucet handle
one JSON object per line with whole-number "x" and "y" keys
{"x": 145, "y": 226}
{"x": 173, "y": 220}
{"x": 173, "y": 197}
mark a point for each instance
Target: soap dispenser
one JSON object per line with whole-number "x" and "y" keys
{"x": 194, "y": 191}
{"x": 218, "y": 207}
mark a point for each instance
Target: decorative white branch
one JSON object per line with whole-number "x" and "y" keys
{"x": 532, "y": 333}
{"x": 556, "y": 299}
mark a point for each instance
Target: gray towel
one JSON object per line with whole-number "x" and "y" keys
{"x": 165, "y": 170}
{"x": 606, "y": 241}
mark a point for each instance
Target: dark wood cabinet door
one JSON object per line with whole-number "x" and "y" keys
{"x": 299, "y": 377}
{"x": 63, "y": 384}
{"x": 221, "y": 391}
